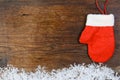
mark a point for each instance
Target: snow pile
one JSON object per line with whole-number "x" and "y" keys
{"x": 74, "y": 72}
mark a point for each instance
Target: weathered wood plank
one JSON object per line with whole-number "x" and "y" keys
{"x": 43, "y": 32}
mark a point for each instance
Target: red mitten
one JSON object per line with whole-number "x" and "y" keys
{"x": 99, "y": 35}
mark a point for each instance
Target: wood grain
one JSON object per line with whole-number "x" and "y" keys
{"x": 43, "y": 32}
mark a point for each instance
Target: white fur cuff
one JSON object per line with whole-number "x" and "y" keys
{"x": 100, "y": 20}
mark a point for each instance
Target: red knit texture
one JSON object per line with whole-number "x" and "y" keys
{"x": 100, "y": 40}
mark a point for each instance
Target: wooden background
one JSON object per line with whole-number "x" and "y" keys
{"x": 46, "y": 32}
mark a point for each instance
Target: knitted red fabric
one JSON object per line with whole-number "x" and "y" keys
{"x": 99, "y": 35}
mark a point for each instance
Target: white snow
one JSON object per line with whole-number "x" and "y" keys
{"x": 74, "y": 72}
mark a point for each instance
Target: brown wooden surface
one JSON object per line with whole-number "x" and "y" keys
{"x": 46, "y": 32}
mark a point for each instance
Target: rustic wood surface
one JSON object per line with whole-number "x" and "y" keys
{"x": 46, "y": 32}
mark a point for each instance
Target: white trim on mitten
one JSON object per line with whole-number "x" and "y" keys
{"x": 100, "y": 20}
